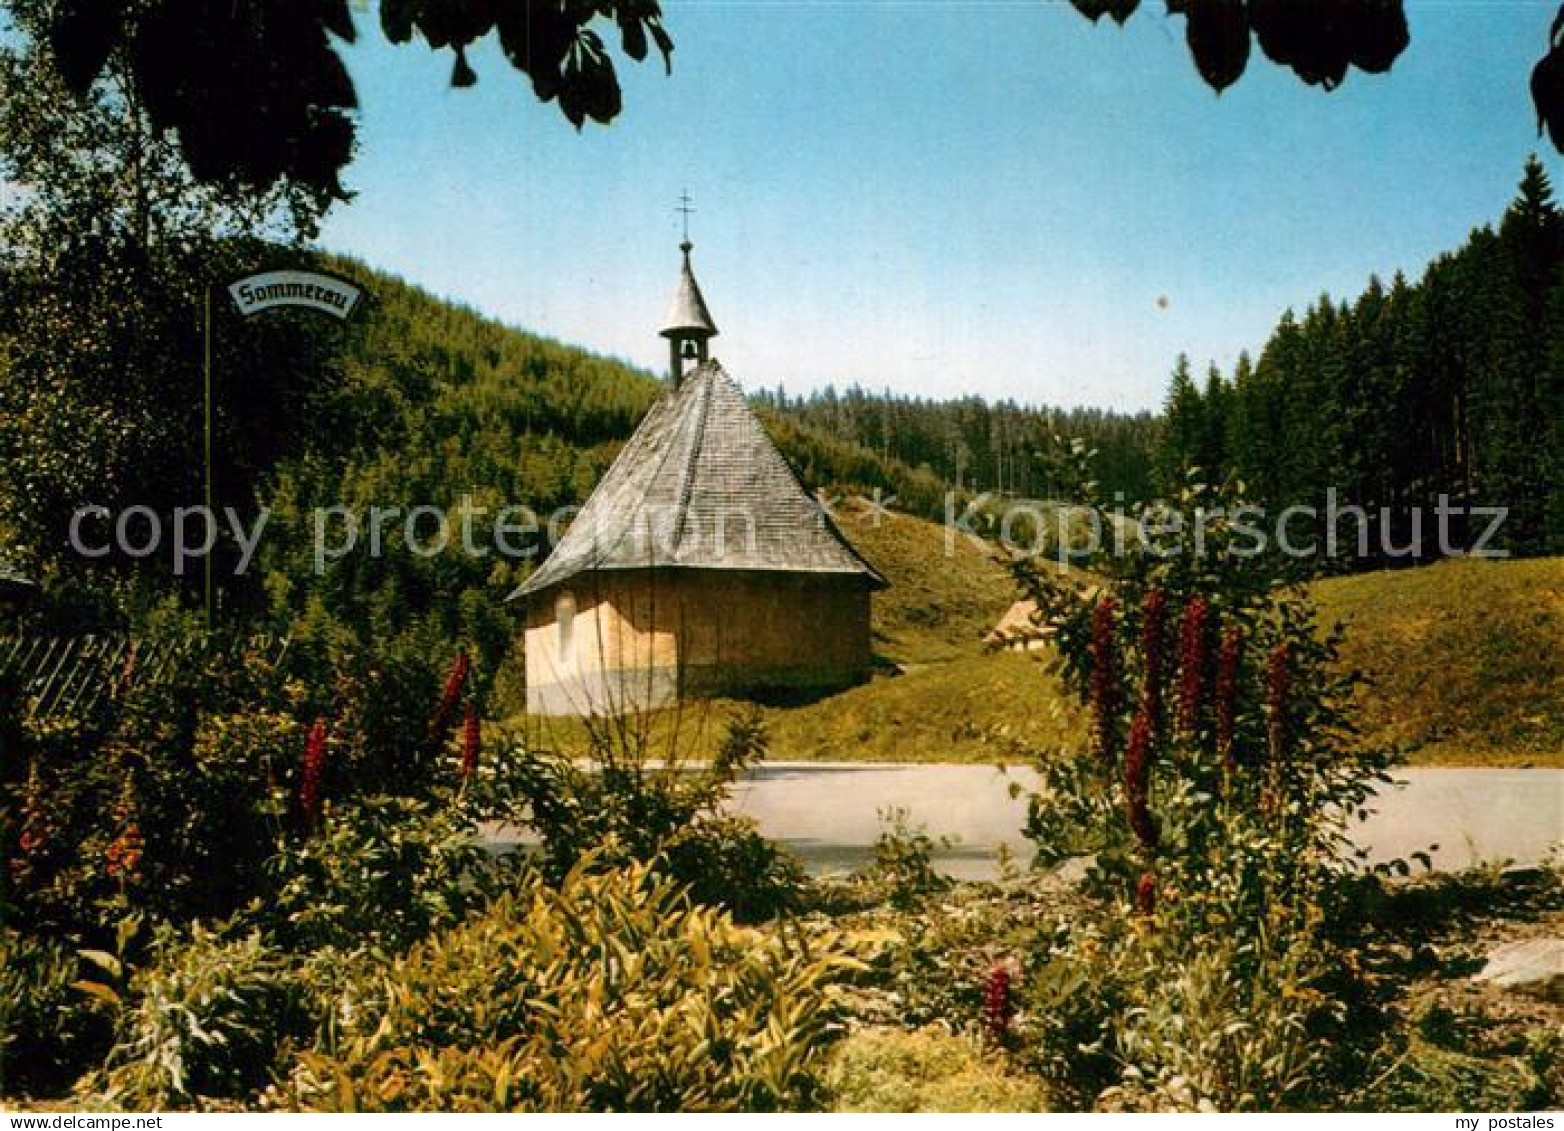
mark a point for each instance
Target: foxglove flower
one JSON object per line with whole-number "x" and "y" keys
{"x": 1154, "y": 611}
{"x": 1137, "y": 783}
{"x": 472, "y": 741}
{"x": 1191, "y": 664}
{"x": 124, "y": 851}
{"x": 35, "y": 836}
{"x": 998, "y": 1006}
{"x": 314, "y": 764}
{"x": 124, "y": 854}
{"x": 455, "y": 680}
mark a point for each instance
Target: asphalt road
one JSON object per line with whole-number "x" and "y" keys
{"x": 828, "y": 813}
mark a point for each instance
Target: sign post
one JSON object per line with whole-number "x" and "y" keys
{"x": 206, "y": 436}
{"x": 253, "y": 295}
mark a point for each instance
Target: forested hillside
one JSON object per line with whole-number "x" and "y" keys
{"x": 1445, "y": 386}
{"x": 972, "y": 445}
{"x": 415, "y": 403}
{"x": 572, "y": 402}
{"x": 1451, "y": 385}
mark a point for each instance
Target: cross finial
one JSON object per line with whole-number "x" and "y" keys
{"x": 686, "y": 209}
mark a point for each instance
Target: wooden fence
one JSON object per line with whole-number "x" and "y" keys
{"x": 83, "y": 677}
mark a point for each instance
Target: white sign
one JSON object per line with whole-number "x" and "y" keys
{"x": 325, "y": 293}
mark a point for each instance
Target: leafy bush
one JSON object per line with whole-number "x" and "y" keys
{"x": 176, "y": 804}
{"x": 726, "y": 862}
{"x": 206, "y": 1020}
{"x": 637, "y": 797}
{"x": 50, "y": 1032}
{"x": 904, "y": 860}
{"x": 1217, "y": 1034}
{"x": 1198, "y": 658}
{"x": 381, "y": 696}
{"x": 612, "y": 992}
{"x": 379, "y": 872}
{"x": 1162, "y": 1012}
{"x": 170, "y": 805}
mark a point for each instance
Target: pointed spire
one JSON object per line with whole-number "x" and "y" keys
{"x": 687, "y": 314}
{"x": 689, "y": 326}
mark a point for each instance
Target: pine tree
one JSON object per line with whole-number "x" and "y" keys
{"x": 1183, "y": 428}
{"x": 1552, "y": 462}
{"x": 1212, "y": 454}
{"x": 1450, "y": 386}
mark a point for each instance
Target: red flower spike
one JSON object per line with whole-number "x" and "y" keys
{"x": 472, "y": 741}
{"x": 124, "y": 854}
{"x": 1137, "y": 783}
{"x": 998, "y": 1005}
{"x": 1191, "y": 665}
{"x": 124, "y": 851}
{"x": 314, "y": 764}
{"x": 34, "y": 837}
{"x": 1154, "y": 612}
{"x": 455, "y": 680}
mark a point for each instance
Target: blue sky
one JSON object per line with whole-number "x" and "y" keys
{"x": 941, "y": 198}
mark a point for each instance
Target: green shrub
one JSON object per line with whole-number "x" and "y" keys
{"x": 904, "y": 860}
{"x": 171, "y": 805}
{"x": 1216, "y": 1034}
{"x": 727, "y": 863}
{"x": 636, "y": 796}
{"x": 206, "y": 1020}
{"x": 1159, "y": 1014}
{"x": 199, "y": 769}
{"x": 379, "y": 872}
{"x": 1428, "y": 1077}
{"x": 380, "y": 693}
{"x": 1080, "y": 981}
{"x": 50, "y": 1031}
{"x": 612, "y": 992}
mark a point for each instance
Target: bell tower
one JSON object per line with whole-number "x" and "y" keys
{"x": 688, "y": 327}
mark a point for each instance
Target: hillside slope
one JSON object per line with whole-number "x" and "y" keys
{"x": 952, "y": 701}
{"x": 1465, "y": 662}
{"x": 1465, "y": 658}
{"x": 944, "y": 595}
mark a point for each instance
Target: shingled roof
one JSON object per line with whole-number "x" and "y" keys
{"x": 701, "y": 486}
